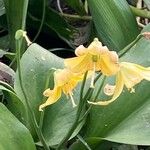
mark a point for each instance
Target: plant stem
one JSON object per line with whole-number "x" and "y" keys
{"x": 140, "y": 12}
{"x": 83, "y": 142}
{"x": 77, "y": 17}
{"x": 99, "y": 90}
{"x": 83, "y": 85}
{"x": 80, "y": 107}
{"x": 123, "y": 51}
{"x": 73, "y": 127}
{"x": 42, "y": 21}
{"x": 33, "y": 118}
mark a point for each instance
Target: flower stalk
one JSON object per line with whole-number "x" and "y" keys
{"x": 75, "y": 124}
{"x": 19, "y": 37}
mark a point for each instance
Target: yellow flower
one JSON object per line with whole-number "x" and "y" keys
{"x": 94, "y": 58}
{"x": 65, "y": 81}
{"x": 129, "y": 75}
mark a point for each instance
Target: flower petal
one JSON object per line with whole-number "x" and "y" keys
{"x": 79, "y": 64}
{"x": 95, "y": 47}
{"x": 109, "y": 63}
{"x": 133, "y": 74}
{"x": 117, "y": 91}
{"x": 55, "y": 94}
{"x": 81, "y": 50}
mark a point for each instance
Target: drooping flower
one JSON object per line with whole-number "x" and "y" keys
{"x": 94, "y": 58}
{"x": 64, "y": 81}
{"x": 128, "y": 75}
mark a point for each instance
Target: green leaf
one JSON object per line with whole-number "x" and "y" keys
{"x": 2, "y": 8}
{"x": 116, "y": 26}
{"x": 127, "y": 119}
{"x": 147, "y": 2}
{"x": 59, "y": 25}
{"x": 13, "y": 134}
{"x": 36, "y": 66}
{"x": 16, "y": 11}
{"x": 77, "y": 5}
{"x": 13, "y": 102}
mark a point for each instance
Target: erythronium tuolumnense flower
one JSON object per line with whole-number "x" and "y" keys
{"x": 64, "y": 81}
{"x": 94, "y": 58}
{"x": 129, "y": 75}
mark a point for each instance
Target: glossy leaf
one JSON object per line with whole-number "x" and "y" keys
{"x": 16, "y": 11}
{"x": 116, "y": 26}
{"x": 36, "y": 65}
{"x": 2, "y": 7}
{"x": 147, "y": 2}
{"x": 13, "y": 135}
{"x": 13, "y": 102}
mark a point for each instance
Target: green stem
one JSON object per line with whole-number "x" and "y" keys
{"x": 77, "y": 17}
{"x": 83, "y": 85}
{"x": 140, "y": 12}
{"x": 33, "y": 118}
{"x": 73, "y": 127}
{"x": 128, "y": 47}
{"x": 42, "y": 21}
{"x": 97, "y": 94}
{"x": 80, "y": 106}
{"x": 83, "y": 142}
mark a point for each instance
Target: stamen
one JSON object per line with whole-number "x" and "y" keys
{"x": 93, "y": 75}
{"x": 72, "y": 100}
{"x": 132, "y": 90}
{"x": 26, "y": 38}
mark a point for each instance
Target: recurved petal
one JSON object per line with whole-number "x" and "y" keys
{"x": 61, "y": 76}
{"x": 109, "y": 63}
{"x": 55, "y": 95}
{"x": 67, "y": 88}
{"x": 80, "y": 50}
{"x": 95, "y": 47}
{"x": 145, "y": 72}
{"x": 117, "y": 91}
{"x": 133, "y": 73}
{"x": 47, "y": 92}
{"x": 79, "y": 64}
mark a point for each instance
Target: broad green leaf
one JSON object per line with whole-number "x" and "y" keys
{"x": 2, "y": 7}
{"x": 116, "y": 26}
{"x": 14, "y": 104}
{"x": 147, "y": 2}
{"x": 36, "y": 66}
{"x": 13, "y": 135}
{"x": 59, "y": 25}
{"x": 16, "y": 11}
{"x": 127, "y": 119}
